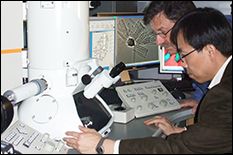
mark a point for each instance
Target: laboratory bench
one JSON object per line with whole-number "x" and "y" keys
{"x": 137, "y": 129}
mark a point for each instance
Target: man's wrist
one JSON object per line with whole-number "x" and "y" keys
{"x": 99, "y": 148}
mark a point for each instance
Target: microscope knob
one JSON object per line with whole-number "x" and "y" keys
{"x": 86, "y": 79}
{"x": 117, "y": 69}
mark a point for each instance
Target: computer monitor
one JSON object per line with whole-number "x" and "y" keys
{"x": 170, "y": 63}
{"x": 124, "y": 38}
{"x": 102, "y": 39}
{"x": 136, "y": 43}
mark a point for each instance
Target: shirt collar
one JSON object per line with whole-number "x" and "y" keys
{"x": 217, "y": 78}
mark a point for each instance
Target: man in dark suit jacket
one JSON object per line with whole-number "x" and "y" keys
{"x": 203, "y": 38}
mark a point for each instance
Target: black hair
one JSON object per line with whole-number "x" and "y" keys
{"x": 204, "y": 26}
{"x": 173, "y": 10}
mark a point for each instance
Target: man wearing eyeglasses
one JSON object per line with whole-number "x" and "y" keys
{"x": 204, "y": 40}
{"x": 162, "y": 16}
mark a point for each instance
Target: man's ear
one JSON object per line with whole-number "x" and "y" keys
{"x": 211, "y": 50}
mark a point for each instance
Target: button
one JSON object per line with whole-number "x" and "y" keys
{"x": 144, "y": 97}
{"x": 38, "y": 148}
{"x": 59, "y": 146}
{"x": 153, "y": 92}
{"x": 163, "y": 103}
{"x": 165, "y": 94}
{"x": 10, "y": 136}
{"x": 45, "y": 137}
{"x": 133, "y": 100}
{"x": 151, "y": 105}
{"x": 139, "y": 108}
{"x": 18, "y": 140}
{"x": 49, "y": 146}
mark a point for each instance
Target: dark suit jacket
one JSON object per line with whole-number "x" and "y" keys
{"x": 212, "y": 133}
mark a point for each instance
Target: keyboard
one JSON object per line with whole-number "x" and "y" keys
{"x": 182, "y": 85}
{"x": 110, "y": 96}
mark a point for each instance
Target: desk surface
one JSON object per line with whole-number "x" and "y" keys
{"x": 137, "y": 129}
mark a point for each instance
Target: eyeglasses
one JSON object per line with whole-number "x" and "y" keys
{"x": 183, "y": 56}
{"x": 163, "y": 35}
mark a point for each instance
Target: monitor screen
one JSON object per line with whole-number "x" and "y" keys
{"x": 102, "y": 40}
{"x": 170, "y": 63}
{"x": 135, "y": 46}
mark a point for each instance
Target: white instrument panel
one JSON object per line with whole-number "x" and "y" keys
{"x": 27, "y": 140}
{"x": 147, "y": 98}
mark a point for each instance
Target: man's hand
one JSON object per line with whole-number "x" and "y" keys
{"x": 190, "y": 103}
{"x": 165, "y": 124}
{"x": 87, "y": 141}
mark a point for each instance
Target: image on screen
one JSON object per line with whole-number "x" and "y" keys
{"x": 136, "y": 43}
{"x": 102, "y": 39}
{"x": 170, "y": 63}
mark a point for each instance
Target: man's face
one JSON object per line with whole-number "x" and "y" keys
{"x": 160, "y": 24}
{"x": 198, "y": 64}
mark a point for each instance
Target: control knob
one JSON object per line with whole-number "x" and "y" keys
{"x": 151, "y": 105}
{"x": 153, "y": 92}
{"x": 163, "y": 103}
{"x": 139, "y": 108}
{"x": 144, "y": 97}
{"x": 133, "y": 100}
